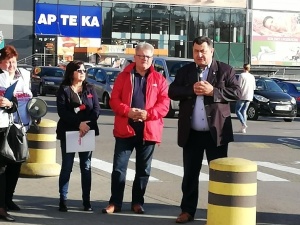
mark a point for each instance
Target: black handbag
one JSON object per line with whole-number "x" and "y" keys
{"x": 13, "y": 142}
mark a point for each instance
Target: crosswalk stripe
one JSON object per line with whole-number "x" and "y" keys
{"x": 173, "y": 169}
{"x": 260, "y": 176}
{"x": 279, "y": 167}
{"x": 107, "y": 167}
{"x": 178, "y": 170}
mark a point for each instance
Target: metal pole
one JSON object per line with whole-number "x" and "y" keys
{"x": 44, "y": 56}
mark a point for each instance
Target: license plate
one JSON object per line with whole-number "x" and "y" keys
{"x": 283, "y": 108}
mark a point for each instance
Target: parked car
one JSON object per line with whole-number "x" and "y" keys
{"x": 293, "y": 89}
{"x": 25, "y": 66}
{"x": 168, "y": 67}
{"x": 46, "y": 79}
{"x": 271, "y": 101}
{"x": 103, "y": 78}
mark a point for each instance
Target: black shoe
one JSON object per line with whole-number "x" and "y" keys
{"x": 12, "y": 206}
{"x": 63, "y": 206}
{"x": 87, "y": 206}
{"x": 7, "y": 217}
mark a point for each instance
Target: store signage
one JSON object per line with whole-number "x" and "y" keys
{"x": 68, "y": 20}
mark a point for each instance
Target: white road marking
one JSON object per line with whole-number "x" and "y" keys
{"x": 279, "y": 167}
{"x": 107, "y": 167}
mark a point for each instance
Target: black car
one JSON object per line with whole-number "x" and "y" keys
{"x": 293, "y": 89}
{"x": 271, "y": 101}
{"x": 46, "y": 79}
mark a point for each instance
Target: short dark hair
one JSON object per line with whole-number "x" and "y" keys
{"x": 246, "y": 67}
{"x": 8, "y": 52}
{"x": 202, "y": 39}
{"x": 70, "y": 69}
{"x": 265, "y": 20}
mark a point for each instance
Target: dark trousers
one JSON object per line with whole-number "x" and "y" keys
{"x": 123, "y": 149}
{"x": 9, "y": 175}
{"x": 66, "y": 169}
{"x": 193, "y": 152}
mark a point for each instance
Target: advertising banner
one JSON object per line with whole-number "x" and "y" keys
{"x": 68, "y": 20}
{"x": 286, "y": 5}
{"x": 275, "y": 38}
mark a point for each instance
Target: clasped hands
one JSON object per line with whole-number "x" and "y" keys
{"x": 137, "y": 114}
{"x": 203, "y": 88}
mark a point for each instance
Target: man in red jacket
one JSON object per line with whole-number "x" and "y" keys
{"x": 139, "y": 100}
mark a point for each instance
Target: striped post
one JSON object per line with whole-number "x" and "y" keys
{"x": 42, "y": 150}
{"x": 232, "y": 192}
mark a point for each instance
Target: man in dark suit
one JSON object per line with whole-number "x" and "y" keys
{"x": 204, "y": 89}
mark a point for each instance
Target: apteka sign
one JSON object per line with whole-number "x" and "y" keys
{"x": 68, "y": 20}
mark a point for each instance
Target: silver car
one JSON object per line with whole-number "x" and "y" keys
{"x": 103, "y": 79}
{"x": 168, "y": 67}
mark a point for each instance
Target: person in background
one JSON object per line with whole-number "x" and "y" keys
{"x": 139, "y": 100}
{"x": 247, "y": 84}
{"x": 9, "y": 172}
{"x": 203, "y": 89}
{"x": 78, "y": 110}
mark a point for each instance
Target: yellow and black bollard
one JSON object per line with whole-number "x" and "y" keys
{"x": 42, "y": 150}
{"x": 232, "y": 192}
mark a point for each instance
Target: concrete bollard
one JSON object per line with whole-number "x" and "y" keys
{"x": 42, "y": 150}
{"x": 232, "y": 192}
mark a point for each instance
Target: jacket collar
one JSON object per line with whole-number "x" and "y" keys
{"x": 213, "y": 70}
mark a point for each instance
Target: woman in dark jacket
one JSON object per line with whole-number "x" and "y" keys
{"x": 78, "y": 109}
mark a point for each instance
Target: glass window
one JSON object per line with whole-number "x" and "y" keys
{"x": 238, "y": 25}
{"x": 222, "y": 25}
{"x": 179, "y": 17}
{"x": 237, "y": 54}
{"x": 221, "y": 52}
{"x": 193, "y": 24}
{"x": 121, "y": 18}
{"x": 206, "y": 23}
{"x": 141, "y": 27}
{"x": 106, "y": 22}
{"x": 69, "y": 2}
{"x": 90, "y": 73}
{"x": 159, "y": 67}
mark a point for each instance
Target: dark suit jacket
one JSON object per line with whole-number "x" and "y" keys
{"x": 222, "y": 77}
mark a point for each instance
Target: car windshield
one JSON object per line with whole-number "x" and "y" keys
{"x": 267, "y": 85}
{"x": 53, "y": 72}
{"x": 174, "y": 65}
{"x": 112, "y": 75}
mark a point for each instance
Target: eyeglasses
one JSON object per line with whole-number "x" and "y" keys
{"x": 81, "y": 71}
{"x": 144, "y": 57}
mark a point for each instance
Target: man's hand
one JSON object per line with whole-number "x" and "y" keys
{"x": 137, "y": 114}
{"x": 203, "y": 88}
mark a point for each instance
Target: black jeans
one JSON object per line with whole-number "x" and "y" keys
{"x": 198, "y": 142}
{"x": 2, "y": 184}
{"x": 12, "y": 175}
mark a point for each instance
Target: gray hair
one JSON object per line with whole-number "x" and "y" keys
{"x": 144, "y": 46}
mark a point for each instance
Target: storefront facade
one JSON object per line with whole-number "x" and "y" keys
{"x": 63, "y": 30}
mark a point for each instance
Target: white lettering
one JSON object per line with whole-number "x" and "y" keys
{"x": 51, "y": 18}
{"x": 42, "y": 19}
{"x": 46, "y": 20}
{"x": 85, "y": 21}
{"x": 64, "y": 19}
{"x": 95, "y": 22}
{"x": 73, "y": 20}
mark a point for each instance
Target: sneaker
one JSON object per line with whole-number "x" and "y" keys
{"x": 244, "y": 126}
{"x": 243, "y": 130}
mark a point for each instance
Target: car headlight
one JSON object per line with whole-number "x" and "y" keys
{"x": 49, "y": 82}
{"x": 261, "y": 98}
{"x": 293, "y": 101}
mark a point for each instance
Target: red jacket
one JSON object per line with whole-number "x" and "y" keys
{"x": 157, "y": 104}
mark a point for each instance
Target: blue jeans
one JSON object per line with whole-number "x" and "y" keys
{"x": 241, "y": 110}
{"x": 123, "y": 150}
{"x": 66, "y": 169}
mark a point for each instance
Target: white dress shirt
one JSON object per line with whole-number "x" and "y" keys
{"x": 199, "y": 118}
